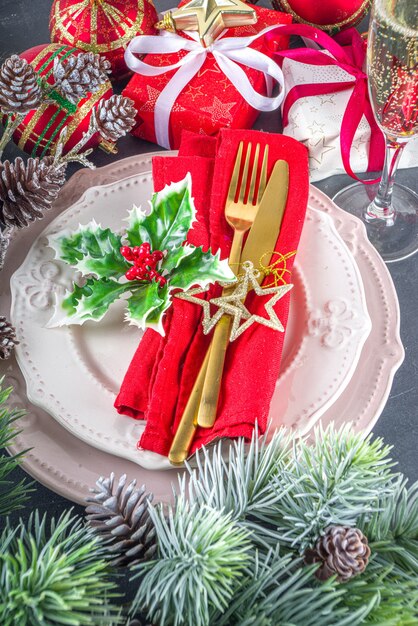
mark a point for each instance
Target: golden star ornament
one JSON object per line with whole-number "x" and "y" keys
{"x": 232, "y": 303}
{"x": 208, "y": 17}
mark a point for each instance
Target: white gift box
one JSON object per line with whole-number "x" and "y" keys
{"x": 316, "y": 122}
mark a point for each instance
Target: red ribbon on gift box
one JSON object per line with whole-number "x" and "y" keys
{"x": 350, "y": 58}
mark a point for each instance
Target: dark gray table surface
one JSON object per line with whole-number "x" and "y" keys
{"x": 23, "y": 24}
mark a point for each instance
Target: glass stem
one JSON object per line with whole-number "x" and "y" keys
{"x": 381, "y": 207}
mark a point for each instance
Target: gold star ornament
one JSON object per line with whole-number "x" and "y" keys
{"x": 233, "y": 304}
{"x": 208, "y": 17}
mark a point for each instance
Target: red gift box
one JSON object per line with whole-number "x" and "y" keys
{"x": 209, "y": 101}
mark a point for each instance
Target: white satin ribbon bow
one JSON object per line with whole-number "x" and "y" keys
{"x": 228, "y": 52}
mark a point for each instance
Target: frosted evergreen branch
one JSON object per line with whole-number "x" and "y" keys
{"x": 236, "y": 477}
{"x": 54, "y": 573}
{"x": 202, "y": 558}
{"x": 279, "y": 590}
{"x": 392, "y": 530}
{"x": 390, "y": 595}
{"x": 12, "y": 495}
{"x": 337, "y": 479}
{"x": 75, "y": 154}
{"x": 11, "y": 125}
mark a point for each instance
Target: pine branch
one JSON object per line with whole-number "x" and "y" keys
{"x": 393, "y": 528}
{"x": 202, "y": 558}
{"x": 278, "y": 590}
{"x": 12, "y": 496}
{"x": 54, "y": 574}
{"x": 335, "y": 480}
{"x": 392, "y": 599}
{"x": 236, "y": 478}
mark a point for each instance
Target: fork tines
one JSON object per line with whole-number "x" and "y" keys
{"x": 250, "y": 190}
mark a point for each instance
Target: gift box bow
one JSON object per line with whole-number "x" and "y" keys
{"x": 349, "y": 58}
{"x": 228, "y": 53}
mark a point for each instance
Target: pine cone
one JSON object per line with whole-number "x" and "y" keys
{"x": 342, "y": 550}
{"x": 7, "y": 338}
{"x": 122, "y": 519}
{"x": 27, "y": 190}
{"x": 113, "y": 118}
{"x": 19, "y": 89}
{"x": 78, "y": 75}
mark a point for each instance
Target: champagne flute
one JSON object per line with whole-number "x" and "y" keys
{"x": 390, "y": 210}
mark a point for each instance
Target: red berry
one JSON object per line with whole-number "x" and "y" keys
{"x": 149, "y": 261}
{"x": 141, "y": 272}
{"x": 157, "y": 255}
{"x": 139, "y": 262}
{"x": 161, "y": 280}
{"x": 136, "y": 251}
{"x": 144, "y": 248}
{"x": 152, "y": 274}
{"x": 126, "y": 252}
{"x": 131, "y": 273}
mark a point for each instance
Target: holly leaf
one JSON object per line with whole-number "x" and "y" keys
{"x": 200, "y": 268}
{"x": 147, "y": 305}
{"x": 91, "y": 300}
{"x": 173, "y": 260}
{"x": 91, "y": 249}
{"x": 170, "y": 219}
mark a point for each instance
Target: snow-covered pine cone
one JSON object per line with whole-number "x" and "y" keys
{"x": 114, "y": 118}
{"x": 19, "y": 88}
{"x": 342, "y": 550}
{"x": 121, "y": 518}
{"x": 28, "y": 189}
{"x": 78, "y": 75}
{"x": 7, "y": 338}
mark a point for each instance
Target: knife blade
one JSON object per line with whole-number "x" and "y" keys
{"x": 266, "y": 228}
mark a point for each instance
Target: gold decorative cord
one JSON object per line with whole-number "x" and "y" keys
{"x": 278, "y": 268}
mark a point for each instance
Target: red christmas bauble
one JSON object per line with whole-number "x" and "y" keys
{"x": 329, "y": 15}
{"x": 102, "y": 26}
{"x": 39, "y": 131}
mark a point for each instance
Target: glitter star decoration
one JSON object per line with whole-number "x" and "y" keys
{"x": 232, "y": 303}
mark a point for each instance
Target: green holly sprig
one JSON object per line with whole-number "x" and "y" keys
{"x": 95, "y": 252}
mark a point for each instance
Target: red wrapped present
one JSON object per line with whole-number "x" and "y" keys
{"x": 182, "y": 85}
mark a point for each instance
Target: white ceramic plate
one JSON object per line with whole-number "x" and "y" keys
{"x": 74, "y": 372}
{"x": 70, "y": 467}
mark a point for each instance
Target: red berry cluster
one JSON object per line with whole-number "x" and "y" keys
{"x": 144, "y": 263}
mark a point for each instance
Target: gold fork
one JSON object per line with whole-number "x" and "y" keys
{"x": 240, "y": 214}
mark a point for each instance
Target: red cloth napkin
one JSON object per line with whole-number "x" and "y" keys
{"x": 163, "y": 370}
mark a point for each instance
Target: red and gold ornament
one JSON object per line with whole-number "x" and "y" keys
{"x": 40, "y": 129}
{"x": 104, "y": 27}
{"x": 329, "y": 15}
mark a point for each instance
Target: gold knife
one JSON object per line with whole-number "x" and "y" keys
{"x": 261, "y": 238}
{"x": 179, "y": 450}
{"x": 267, "y": 224}
{"x": 266, "y": 228}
